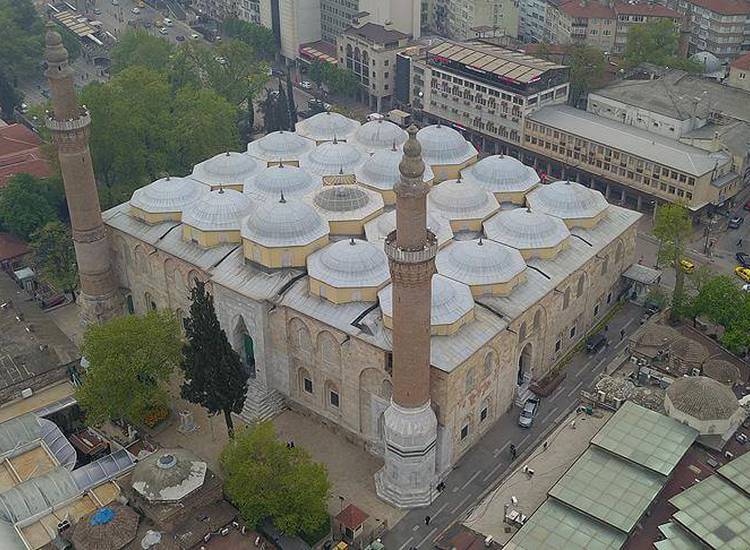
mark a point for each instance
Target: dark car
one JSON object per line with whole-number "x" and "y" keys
{"x": 743, "y": 259}
{"x": 179, "y": 38}
{"x": 735, "y": 222}
{"x": 596, "y": 342}
{"x": 526, "y": 418}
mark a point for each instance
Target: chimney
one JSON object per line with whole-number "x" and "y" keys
{"x": 715, "y": 142}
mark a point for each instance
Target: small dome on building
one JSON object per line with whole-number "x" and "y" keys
{"x": 350, "y": 263}
{"x": 168, "y": 475}
{"x": 327, "y": 127}
{"x": 379, "y": 228}
{"x": 269, "y": 183}
{"x": 218, "y": 210}
{"x": 576, "y": 204}
{"x": 658, "y": 336}
{"x": 380, "y": 171}
{"x": 482, "y": 264}
{"x": 464, "y": 204}
{"x": 501, "y": 175}
{"x": 688, "y": 351}
{"x": 444, "y": 145}
{"x": 341, "y": 204}
{"x": 379, "y": 134}
{"x": 226, "y": 169}
{"x": 722, "y": 371}
{"x": 333, "y": 158}
{"x": 530, "y": 232}
{"x": 701, "y": 398}
{"x": 166, "y": 198}
{"x": 708, "y": 61}
{"x": 280, "y": 146}
{"x": 284, "y": 223}
{"x": 452, "y": 305}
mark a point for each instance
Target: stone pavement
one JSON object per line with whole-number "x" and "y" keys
{"x": 564, "y": 446}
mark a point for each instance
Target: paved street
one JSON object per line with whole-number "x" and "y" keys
{"x": 488, "y": 462}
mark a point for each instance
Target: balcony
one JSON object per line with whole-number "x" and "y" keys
{"x": 404, "y": 256}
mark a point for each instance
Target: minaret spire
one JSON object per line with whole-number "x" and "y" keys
{"x": 408, "y": 477}
{"x": 69, "y": 124}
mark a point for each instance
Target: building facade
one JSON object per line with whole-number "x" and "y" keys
{"x": 739, "y": 73}
{"x": 531, "y": 21}
{"x": 582, "y": 22}
{"x": 490, "y": 105}
{"x": 337, "y": 15}
{"x": 466, "y": 19}
{"x": 630, "y": 14}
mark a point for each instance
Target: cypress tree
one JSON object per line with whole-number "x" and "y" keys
{"x": 270, "y": 114}
{"x": 290, "y": 100}
{"x": 214, "y": 377}
{"x": 282, "y": 109}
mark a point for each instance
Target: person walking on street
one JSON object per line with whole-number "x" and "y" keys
{"x": 739, "y": 243}
{"x": 427, "y": 520}
{"x": 622, "y": 334}
{"x": 512, "y": 451}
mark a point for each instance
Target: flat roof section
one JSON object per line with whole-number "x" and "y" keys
{"x": 608, "y": 488}
{"x": 737, "y": 472}
{"x": 554, "y": 526}
{"x": 646, "y": 438}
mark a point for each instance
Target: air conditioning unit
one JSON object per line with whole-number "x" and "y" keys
{"x": 26, "y": 393}
{"x": 695, "y": 372}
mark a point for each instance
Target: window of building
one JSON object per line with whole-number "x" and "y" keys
{"x": 386, "y": 62}
{"x": 385, "y": 74}
{"x": 672, "y": 189}
{"x": 333, "y": 398}
{"x": 483, "y": 414}
{"x": 609, "y": 298}
{"x": 573, "y": 331}
{"x": 689, "y": 196}
{"x": 470, "y": 380}
{"x": 691, "y": 181}
{"x": 464, "y": 432}
{"x": 596, "y": 310}
{"x": 307, "y": 385}
{"x": 566, "y": 298}
{"x": 558, "y": 345}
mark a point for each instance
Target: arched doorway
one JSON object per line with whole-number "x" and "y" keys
{"x": 524, "y": 364}
{"x": 130, "y": 304}
{"x": 247, "y": 348}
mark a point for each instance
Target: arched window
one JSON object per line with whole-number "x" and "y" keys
{"x": 305, "y": 382}
{"x": 365, "y": 58}
{"x": 356, "y": 54}
{"x": 605, "y": 265}
{"x": 471, "y": 380}
{"x": 129, "y": 303}
{"x": 522, "y": 332}
{"x": 150, "y": 304}
{"x": 566, "y": 298}
{"x": 489, "y": 363}
{"x": 333, "y": 397}
{"x": 348, "y": 50}
{"x": 579, "y": 290}
{"x": 538, "y": 320}
{"x": 299, "y": 337}
{"x": 328, "y": 350}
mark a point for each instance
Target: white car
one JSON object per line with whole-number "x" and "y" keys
{"x": 168, "y": 22}
{"x": 135, "y": 11}
{"x": 195, "y": 36}
{"x": 115, "y": 2}
{"x": 746, "y": 287}
{"x": 305, "y": 84}
{"x": 163, "y": 30}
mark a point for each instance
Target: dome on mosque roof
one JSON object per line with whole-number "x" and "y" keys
{"x": 283, "y": 223}
{"x": 567, "y": 200}
{"x": 379, "y": 228}
{"x": 501, "y": 174}
{"x": 282, "y": 178}
{"x": 722, "y": 371}
{"x": 218, "y": 210}
{"x": 444, "y": 145}
{"x": 167, "y": 195}
{"x": 228, "y": 168}
{"x": 480, "y": 262}
{"x": 701, "y": 398}
{"x": 379, "y": 134}
{"x": 459, "y": 200}
{"x": 168, "y": 475}
{"x": 524, "y": 229}
{"x": 332, "y": 158}
{"x": 350, "y": 263}
{"x": 327, "y": 126}
{"x": 346, "y": 202}
{"x": 281, "y": 146}
{"x": 451, "y": 301}
{"x": 380, "y": 170}
{"x": 708, "y": 61}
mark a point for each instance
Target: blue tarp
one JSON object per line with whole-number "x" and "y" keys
{"x": 102, "y": 516}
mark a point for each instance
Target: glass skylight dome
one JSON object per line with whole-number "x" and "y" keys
{"x": 270, "y": 182}
{"x": 218, "y": 210}
{"x": 502, "y": 175}
{"x": 486, "y": 266}
{"x": 228, "y": 169}
{"x": 464, "y": 204}
{"x": 280, "y": 146}
{"x": 530, "y": 232}
{"x": 379, "y": 134}
{"x": 333, "y": 158}
{"x": 347, "y": 207}
{"x": 443, "y": 145}
{"x": 166, "y": 198}
{"x": 327, "y": 126}
{"x": 575, "y": 203}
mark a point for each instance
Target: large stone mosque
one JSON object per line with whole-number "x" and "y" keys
{"x": 388, "y": 282}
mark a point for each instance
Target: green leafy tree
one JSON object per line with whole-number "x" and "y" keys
{"x": 10, "y": 96}
{"x": 656, "y": 42}
{"x": 270, "y": 113}
{"x": 337, "y": 80}
{"x": 25, "y": 206}
{"x": 138, "y": 47}
{"x": 55, "y": 256}
{"x": 290, "y": 101}
{"x": 261, "y": 39}
{"x": 213, "y": 371}
{"x": 266, "y": 479}
{"x": 724, "y": 303}
{"x": 673, "y": 228}
{"x": 22, "y": 39}
{"x": 587, "y": 66}
{"x": 130, "y": 361}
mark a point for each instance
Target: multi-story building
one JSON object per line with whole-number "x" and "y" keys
{"x": 615, "y": 157}
{"x": 294, "y": 22}
{"x": 481, "y": 89}
{"x": 369, "y": 50}
{"x": 629, "y": 14}
{"x": 582, "y": 22}
{"x": 739, "y": 73}
{"x": 464, "y": 19}
{"x": 337, "y": 15}
{"x": 531, "y": 20}
{"x": 721, "y": 27}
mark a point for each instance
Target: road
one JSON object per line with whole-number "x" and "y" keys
{"x": 489, "y": 461}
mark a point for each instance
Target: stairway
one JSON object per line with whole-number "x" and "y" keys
{"x": 262, "y": 403}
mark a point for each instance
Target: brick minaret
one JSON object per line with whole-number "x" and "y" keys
{"x": 69, "y": 124}
{"x": 408, "y": 477}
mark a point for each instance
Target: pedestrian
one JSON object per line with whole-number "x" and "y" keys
{"x": 291, "y": 444}
{"x": 739, "y": 243}
{"x": 622, "y": 333}
{"x": 606, "y": 328}
{"x": 512, "y": 451}
{"x": 427, "y": 520}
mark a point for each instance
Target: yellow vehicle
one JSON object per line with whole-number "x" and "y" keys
{"x": 687, "y": 266}
{"x": 743, "y": 273}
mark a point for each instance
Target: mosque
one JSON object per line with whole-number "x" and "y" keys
{"x": 295, "y": 239}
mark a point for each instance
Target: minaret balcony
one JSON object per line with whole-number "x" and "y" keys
{"x": 407, "y": 256}
{"x": 83, "y": 120}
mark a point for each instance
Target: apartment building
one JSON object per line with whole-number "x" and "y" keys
{"x": 531, "y": 20}
{"x": 481, "y": 89}
{"x": 582, "y": 22}
{"x": 337, "y": 15}
{"x": 721, "y": 27}
{"x": 629, "y": 14}
{"x": 739, "y": 73}
{"x": 641, "y": 166}
{"x": 464, "y": 19}
{"x": 294, "y": 22}
{"x": 369, "y": 50}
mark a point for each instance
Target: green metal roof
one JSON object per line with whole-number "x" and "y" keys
{"x": 555, "y": 526}
{"x": 677, "y": 539}
{"x": 737, "y": 472}
{"x": 645, "y": 437}
{"x": 715, "y": 512}
{"x": 608, "y": 488}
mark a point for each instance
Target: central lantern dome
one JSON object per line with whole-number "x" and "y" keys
{"x": 347, "y": 207}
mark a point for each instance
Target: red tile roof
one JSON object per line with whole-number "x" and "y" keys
{"x": 742, "y": 62}
{"x": 587, "y": 9}
{"x": 352, "y": 517}
{"x": 11, "y": 247}
{"x": 645, "y": 9}
{"x": 20, "y": 153}
{"x": 724, "y": 7}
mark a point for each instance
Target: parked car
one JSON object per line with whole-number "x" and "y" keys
{"x": 596, "y": 342}
{"x": 97, "y": 11}
{"x": 743, "y": 259}
{"x": 163, "y": 30}
{"x": 526, "y": 418}
{"x": 746, "y": 287}
{"x": 195, "y": 36}
{"x": 735, "y": 222}
{"x": 135, "y": 11}
{"x": 305, "y": 84}
{"x": 168, "y": 22}
{"x": 687, "y": 266}
{"x": 743, "y": 273}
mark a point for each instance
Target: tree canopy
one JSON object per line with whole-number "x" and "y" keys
{"x": 337, "y": 80}
{"x": 130, "y": 361}
{"x": 673, "y": 228}
{"x": 261, "y": 39}
{"x": 724, "y": 303}
{"x": 587, "y": 66}
{"x": 656, "y": 42}
{"x": 55, "y": 256}
{"x": 265, "y": 479}
{"x": 213, "y": 372}
{"x": 28, "y": 203}
{"x": 138, "y": 47}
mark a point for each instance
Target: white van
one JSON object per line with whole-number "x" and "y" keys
{"x": 168, "y": 22}
{"x": 374, "y": 116}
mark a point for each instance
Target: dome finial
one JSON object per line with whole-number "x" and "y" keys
{"x": 335, "y": 141}
{"x": 281, "y": 164}
{"x": 528, "y": 209}
{"x": 221, "y": 189}
{"x": 438, "y": 124}
{"x": 341, "y": 170}
{"x": 481, "y": 242}
{"x": 411, "y": 165}
{"x": 227, "y": 153}
{"x": 351, "y": 241}
{"x": 282, "y": 200}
